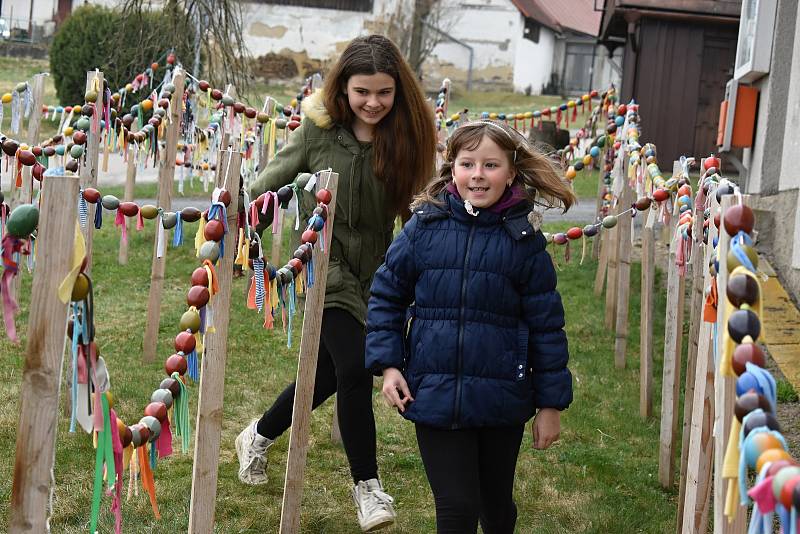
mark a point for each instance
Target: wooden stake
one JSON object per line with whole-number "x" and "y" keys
{"x": 23, "y": 194}
{"x": 693, "y": 508}
{"x": 671, "y": 384}
{"x": 46, "y": 340}
{"x": 724, "y": 391}
{"x": 611, "y": 274}
{"x": 88, "y": 170}
{"x": 695, "y": 318}
{"x": 623, "y": 277}
{"x": 208, "y": 428}
{"x": 306, "y": 369}
{"x": 166, "y": 179}
{"x": 277, "y": 240}
{"x": 646, "y": 325}
{"x": 600, "y": 276}
{"x": 130, "y": 183}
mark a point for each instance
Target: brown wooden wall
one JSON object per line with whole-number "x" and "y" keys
{"x": 678, "y": 77}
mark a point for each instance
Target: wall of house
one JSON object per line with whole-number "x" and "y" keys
{"x": 534, "y": 62}
{"x": 773, "y": 176}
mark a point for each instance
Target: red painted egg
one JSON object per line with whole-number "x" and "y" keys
{"x": 91, "y": 195}
{"x": 79, "y": 137}
{"x": 739, "y": 218}
{"x": 225, "y": 198}
{"x": 574, "y": 233}
{"x": 198, "y": 296}
{"x": 129, "y": 209}
{"x": 200, "y": 277}
{"x": 157, "y": 410}
{"x": 747, "y": 353}
{"x": 214, "y": 230}
{"x": 176, "y": 364}
{"x": 37, "y": 151}
{"x": 216, "y": 94}
{"x": 643, "y": 203}
{"x": 238, "y": 107}
{"x": 309, "y": 236}
{"x": 660, "y": 195}
{"x": 711, "y": 162}
{"x": 26, "y": 157}
{"x": 296, "y": 264}
{"x": 38, "y": 172}
{"x": 324, "y": 196}
{"x": 185, "y": 342}
{"x": 203, "y": 85}
{"x": 250, "y": 113}
{"x": 293, "y": 125}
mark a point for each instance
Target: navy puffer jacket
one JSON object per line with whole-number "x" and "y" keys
{"x": 467, "y": 308}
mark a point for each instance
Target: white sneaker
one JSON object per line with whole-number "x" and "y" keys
{"x": 375, "y": 509}
{"x": 251, "y": 448}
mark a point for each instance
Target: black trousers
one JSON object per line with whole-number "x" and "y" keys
{"x": 340, "y": 370}
{"x": 471, "y": 473}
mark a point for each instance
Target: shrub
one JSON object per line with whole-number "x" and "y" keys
{"x": 120, "y": 46}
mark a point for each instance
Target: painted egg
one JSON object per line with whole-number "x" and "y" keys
{"x": 198, "y": 296}
{"x": 200, "y": 277}
{"x": 175, "y": 364}
{"x": 171, "y": 385}
{"x": 643, "y": 203}
{"x": 739, "y": 218}
{"x": 781, "y": 477}
{"x": 139, "y": 435}
{"x": 757, "y": 444}
{"x": 610, "y": 221}
{"x": 309, "y": 236}
{"x": 190, "y": 320}
{"x": 560, "y": 238}
{"x": 26, "y": 157}
{"x": 225, "y": 198}
{"x": 590, "y": 230}
{"x": 156, "y": 409}
{"x": 72, "y": 165}
{"x": 125, "y": 434}
{"x": 149, "y": 211}
{"x": 38, "y": 172}
{"x": 773, "y": 456}
{"x": 110, "y": 202}
{"x": 759, "y": 419}
{"x": 747, "y": 353}
{"x": 162, "y": 395}
{"x": 742, "y": 289}
{"x": 129, "y": 209}
{"x": 660, "y": 195}
{"x": 214, "y": 230}
{"x": 190, "y": 214}
{"x": 209, "y": 251}
{"x": 22, "y": 221}
{"x": 153, "y": 425}
{"x": 748, "y": 402}
{"x": 733, "y": 261}
{"x": 185, "y": 342}
{"x": 743, "y": 323}
{"x": 81, "y": 288}
{"x": 169, "y": 220}
{"x": 574, "y": 233}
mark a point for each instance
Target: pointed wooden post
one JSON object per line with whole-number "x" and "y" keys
{"x": 625, "y": 224}
{"x": 22, "y": 195}
{"x": 208, "y": 428}
{"x": 166, "y": 179}
{"x": 306, "y": 369}
{"x": 646, "y": 324}
{"x": 693, "y": 508}
{"x": 88, "y": 171}
{"x": 130, "y": 183}
{"x": 671, "y": 384}
{"x": 46, "y": 339}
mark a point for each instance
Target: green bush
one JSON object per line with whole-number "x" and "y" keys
{"x": 120, "y": 46}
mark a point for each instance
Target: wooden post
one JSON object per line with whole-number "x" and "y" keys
{"x": 130, "y": 182}
{"x": 277, "y": 240}
{"x": 23, "y": 194}
{"x": 671, "y": 384}
{"x": 166, "y": 178}
{"x": 623, "y": 277}
{"x": 693, "y": 508}
{"x": 208, "y": 429}
{"x": 306, "y": 369}
{"x": 613, "y": 254}
{"x": 600, "y": 276}
{"x": 88, "y": 171}
{"x": 724, "y": 390}
{"x": 46, "y": 337}
{"x": 695, "y": 318}
{"x": 646, "y": 325}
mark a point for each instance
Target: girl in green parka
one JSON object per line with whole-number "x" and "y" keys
{"x": 371, "y": 125}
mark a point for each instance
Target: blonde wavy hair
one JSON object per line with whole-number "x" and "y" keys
{"x": 538, "y": 175}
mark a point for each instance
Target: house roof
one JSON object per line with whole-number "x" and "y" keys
{"x": 575, "y": 15}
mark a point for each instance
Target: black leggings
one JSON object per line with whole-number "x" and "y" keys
{"x": 340, "y": 370}
{"x": 471, "y": 473}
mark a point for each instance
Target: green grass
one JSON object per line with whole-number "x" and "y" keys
{"x": 786, "y": 392}
{"x": 499, "y": 101}
{"x": 607, "y": 455}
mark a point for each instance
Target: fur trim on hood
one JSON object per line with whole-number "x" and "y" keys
{"x": 314, "y": 108}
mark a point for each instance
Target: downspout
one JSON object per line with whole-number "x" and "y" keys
{"x": 452, "y": 39}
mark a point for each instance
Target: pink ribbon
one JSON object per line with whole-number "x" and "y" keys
{"x": 164, "y": 441}
{"x": 119, "y": 220}
{"x": 116, "y": 503}
{"x": 139, "y": 220}
{"x": 10, "y": 245}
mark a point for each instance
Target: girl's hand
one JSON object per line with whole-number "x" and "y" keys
{"x": 395, "y": 389}
{"x": 546, "y": 427}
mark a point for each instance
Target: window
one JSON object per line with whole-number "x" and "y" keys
{"x": 531, "y": 30}
{"x": 754, "y": 49}
{"x": 342, "y": 5}
{"x": 578, "y": 67}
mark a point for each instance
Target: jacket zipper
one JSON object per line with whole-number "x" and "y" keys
{"x": 457, "y": 410}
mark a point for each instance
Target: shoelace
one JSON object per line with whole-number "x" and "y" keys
{"x": 379, "y": 500}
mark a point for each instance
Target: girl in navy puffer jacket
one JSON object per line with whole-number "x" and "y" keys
{"x": 466, "y": 325}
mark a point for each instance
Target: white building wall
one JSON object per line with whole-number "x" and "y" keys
{"x": 752, "y": 157}
{"x": 534, "y": 62}
{"x": 790, "y": 173}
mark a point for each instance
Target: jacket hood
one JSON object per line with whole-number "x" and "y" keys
{"x": 314, "y": 108}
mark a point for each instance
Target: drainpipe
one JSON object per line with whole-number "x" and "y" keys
{"x": 452, "y": 39}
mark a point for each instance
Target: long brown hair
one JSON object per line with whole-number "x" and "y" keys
{"x": 405, "y": 139}
{"x": 534, "y": 171}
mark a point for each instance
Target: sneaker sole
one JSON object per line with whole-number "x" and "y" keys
{"x": 378, "y": 525}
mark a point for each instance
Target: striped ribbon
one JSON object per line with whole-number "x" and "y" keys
{"x": 258, "y": 268}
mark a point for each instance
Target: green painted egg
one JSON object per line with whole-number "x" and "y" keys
{"x": 23, "y": 220}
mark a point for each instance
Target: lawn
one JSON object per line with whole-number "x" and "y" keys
{"x": 601, "y": 476}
